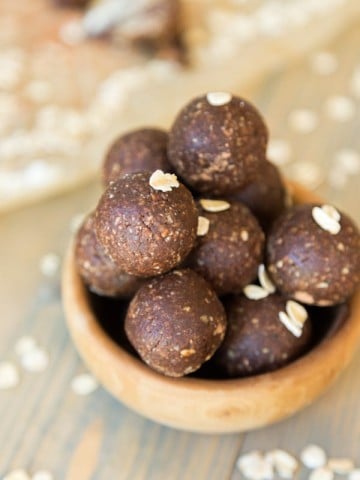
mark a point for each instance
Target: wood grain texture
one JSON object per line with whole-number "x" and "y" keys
{"x": 43, "y": 424}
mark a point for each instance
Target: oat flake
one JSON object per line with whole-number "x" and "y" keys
{"x": 354, "y": 475}
{"x": 42, "y": 475}
{"x": 321, "y": 473}
{"x": 324, "y": 63}
{"x": 217, "y": 99}
{"x": 349, "y": 160}
{"x": 9, "y": 376}
{"x": 284, "y": 463}
{"x": 340, "y": 465}
{"x": 326, "y": 221}
{"x": 254, "y": 466}
{"x": 18, "y": 474}
{"x": 49, "y": 264}
{"x": 84, "y": 384}
{"x": 303, "y": 120}
{"x": 296, "y": 312}
{"x": 24, "y": 345}
{"x": 214, "y": 206}
{"x": 254, "y": 292}
{"x": 355, "y": 83}
{"x": 290, "y": 324}
{"x": 279, "y": 151}
{"x": 307, "y": 173}
{"x": 202, "y": 226}
{"x": 340, "y": 108}
{"x": 313, "y": 456}
{"x": 265, "y": 280}
{"x": 36, "y": 360}
{"x": 164, "y": 182}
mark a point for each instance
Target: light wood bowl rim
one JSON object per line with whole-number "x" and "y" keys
{"x": 216, "y": 406}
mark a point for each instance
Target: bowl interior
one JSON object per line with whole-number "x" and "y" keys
{"x": 201, "y": 402}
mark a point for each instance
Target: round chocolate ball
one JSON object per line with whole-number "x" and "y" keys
{"x": 97, "y": 269}
{"x": 217, "y": 143}
{"x": 313, "y": 255}
{"x": 176, "y": 322}
{"x": 146, "y": 231}
{"x": 256, "y": 341}
{"x": 266, "y": 196}
{"x": 229, "y": 254}
{"x": 140, "y": 150}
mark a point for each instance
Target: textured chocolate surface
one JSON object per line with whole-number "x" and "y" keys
{"x": 310, "y": 264}
{"x": 228, "y": 256}
{"x": 96, "y": 268}
{"x": 140, "y": 150}
{"x": 256, "y": 341}
{"x": 146, "y": 232}
{"x": 266, "y": 196}
{"x": 218, "y": 149}
{"x": 176, "y": 322}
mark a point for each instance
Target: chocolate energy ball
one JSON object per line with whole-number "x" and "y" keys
{"x": 176, "y": 322}
{"x": 136, "y": 151}
{"x": 229, "y": 254}
{"x": 256, "y": 340}
{"x": 313, "y": 255}
{"x": 97, "y": 269}
{"x": 144, "y": 230}
{"x": 266, "y": 196}
{"x": 217, "y": 143}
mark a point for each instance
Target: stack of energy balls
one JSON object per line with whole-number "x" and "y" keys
{"x": 195, "y": 229}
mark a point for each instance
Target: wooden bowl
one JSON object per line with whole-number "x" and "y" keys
{"x": 205, "y": 405}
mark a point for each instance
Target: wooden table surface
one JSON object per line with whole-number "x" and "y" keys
{"x": 45, "y": 425}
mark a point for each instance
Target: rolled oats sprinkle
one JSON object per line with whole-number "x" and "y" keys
{"x": 254, "y": 292}
{"x": 303, "y": 120}
{"x": 217, "y": 99}
{"x": 214, "y": 206}
{"x": 313, "y": 456}
{"x": 203, "y": 226}
{"x": 164, "y": 182}
{"x": 328, "y": 218}
{"x": 9, "y": 376}
{"x": 84, "y": 384}
{"x": 265, "y": 280}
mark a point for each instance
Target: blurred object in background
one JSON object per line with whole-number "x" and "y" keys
{"x": 72, "y": 79}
